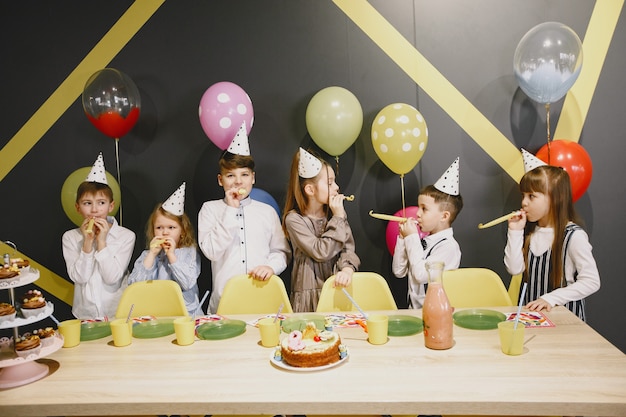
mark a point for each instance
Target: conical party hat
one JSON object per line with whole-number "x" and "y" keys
{"x": 449, "y": 182}
{"x": 530, "y": 161}
{"x": 239, "y": 145}
{"x": 175, "y": 204}
{"x": 98, "y": 173}
{"x": 308, "y": 166}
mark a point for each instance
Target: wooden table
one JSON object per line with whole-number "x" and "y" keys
{"x": 568, "y": 369}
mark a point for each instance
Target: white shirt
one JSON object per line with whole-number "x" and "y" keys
{"x": 237, "y": 240}
{"x": 579, "y": 258}
{"x": 409, "y": 258}
{"x": 98, "y": 276}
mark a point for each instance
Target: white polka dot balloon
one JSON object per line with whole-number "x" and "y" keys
{"x": 223, "y": 107}
{"x": 399, "y": 137}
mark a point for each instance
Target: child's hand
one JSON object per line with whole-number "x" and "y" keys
{"x": 335, "y": 203}
{"x": 156, "y": 244}
{"x": 168, "y": 245}
{"x": 87, "y": 229}
{"x": 518, "y": 222}
{"x": 409, "y": 227}
{"x": 343, "y": 278}
{"x": 261, "y": 272}
{"x": 538, "y": 305}
{"x": 233, "y": 196}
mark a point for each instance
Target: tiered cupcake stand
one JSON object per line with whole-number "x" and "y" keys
{"x": 15, "y": 370}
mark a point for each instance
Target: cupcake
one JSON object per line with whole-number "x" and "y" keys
{"x": 27, "y": 345}
{"x": 8, "y": 272}
{"x": 46, "y": 336}
{"x": 7, "y": 312}
{"x": 33, "y": 303}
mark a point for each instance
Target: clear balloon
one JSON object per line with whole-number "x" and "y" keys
{"x": 574, "y": 159}
{"x": 265, "y": 197}
{"x": 399, "y": 137}
{"x": 334, "y": 119}
{"x": 70, "y": 186}
{"x": 223, "y": 107}
{"x": 547, "y": 61}
{"x": 393, "y": 228}
{"x": 111, "y": 102}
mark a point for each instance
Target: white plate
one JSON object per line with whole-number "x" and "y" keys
{"x": 283, "y": 365}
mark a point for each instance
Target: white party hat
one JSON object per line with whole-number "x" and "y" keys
{"x": 530, "y": 161}
{"x": 98, "y": 173}
{"x": 308, "y": 166}
{"x": 239, "y": 145}
{"x": 449, "y": 182}
{"x": 175, "y": 204}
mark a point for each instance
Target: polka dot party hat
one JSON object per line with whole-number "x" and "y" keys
{"x": 239, "y": 145}
{"x": 308, "y": 166}
{"x": 98, "y": 173}
{"x": 530, "y": 161}
{"x": 449, "y": 182}
{"x": 175, "y": 204}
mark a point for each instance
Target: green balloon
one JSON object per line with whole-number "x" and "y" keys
{"x": 70, "y": 186}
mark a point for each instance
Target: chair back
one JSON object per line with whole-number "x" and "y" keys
{"x": 245, "y": 295}
{"x": 158, "y": 298}
{"x": 369, "y": 289}
{"x": 514, "y": 287}
{"x": 475, "y": 287}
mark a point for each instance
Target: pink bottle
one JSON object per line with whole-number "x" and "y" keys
{"x": 437, "y": 311}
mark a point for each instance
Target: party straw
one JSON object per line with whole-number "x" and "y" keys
{"x": 130, "y": 311}
{"x": 278, "y": 312}
{"x": 206, "y": 294}
{"x": 354, "y": 302}
{"x": 519, "y": 311}
{"x": 54, "y": 319}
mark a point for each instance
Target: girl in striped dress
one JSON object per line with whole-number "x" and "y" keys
{"x": 546, "y": 244}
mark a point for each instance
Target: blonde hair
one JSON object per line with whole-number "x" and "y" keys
{"x": 554, "y": 182}
{"x": 187, "y": 238}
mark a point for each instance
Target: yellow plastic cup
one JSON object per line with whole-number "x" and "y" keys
{"x": 377, "y": 326}
{"x": 270, "y": 331}
{"x": 511, "y": 341}
{"x": 70, "y": 330}
{"x": 122, "y": 332}
{"x": 185, "y": 328}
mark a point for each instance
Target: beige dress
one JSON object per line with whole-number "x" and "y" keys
{"x": 321, "y": 247}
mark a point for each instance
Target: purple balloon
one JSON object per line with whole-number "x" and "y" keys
{"x": 223, "y": 107}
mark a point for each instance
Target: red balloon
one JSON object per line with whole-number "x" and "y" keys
{"x": 112, "y": 124}
{"x": 111, "y": 102}
{"x": 573, "y": 158}
{"x": 393, "y": 228}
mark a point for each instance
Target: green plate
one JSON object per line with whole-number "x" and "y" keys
{"x": 95, "y": 330}
{"x": 153, "y": 328}
{"x": 404, "y": 325}
{"x": 298, "y": 322}
{"x": 478, "y": 319}
{"x": 220, "y": 329}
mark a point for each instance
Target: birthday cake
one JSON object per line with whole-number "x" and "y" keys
{"x": 310, "y": 347}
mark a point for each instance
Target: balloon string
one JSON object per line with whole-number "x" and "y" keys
{"x": 337, "y": 165}
{"x": 403, "y": 205}
{"x": 119, "y": 180}
{"x": 548, "y": 128}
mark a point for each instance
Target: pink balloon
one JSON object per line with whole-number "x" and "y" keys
{"x": 393, "y": 228}
{"x": 223, "y": 107}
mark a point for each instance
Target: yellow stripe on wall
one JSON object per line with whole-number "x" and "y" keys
{"x": 63, "y": 97}
{"x": 595, "y": 46}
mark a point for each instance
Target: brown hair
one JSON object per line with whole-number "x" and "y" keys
{"x": 187, "y": 238}
{"x": 554, "y": 182}
{"x": 92, "y": 187}
{"x": 229, "y": 161}
{"x": 450, "y": 203}
{"x": 296, "y": 199}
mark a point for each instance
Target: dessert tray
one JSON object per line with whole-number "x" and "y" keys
{"x": 282, "y": 365}
{"x": 16, "y": 371}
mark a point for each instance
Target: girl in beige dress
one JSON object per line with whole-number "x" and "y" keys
{"x": 315, "y": 223}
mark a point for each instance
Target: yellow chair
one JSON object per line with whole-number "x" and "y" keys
{"x": 152, "y": 298}
{"x": 475, "y": 287}
{"x": 245, "y": 295}
{"x": 514, "y": 285}
{"x": 368, "y": 289}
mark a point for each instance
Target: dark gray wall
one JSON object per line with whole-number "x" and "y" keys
{"x": 281, "y": 53}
